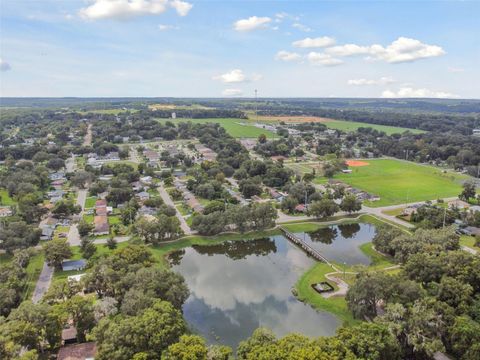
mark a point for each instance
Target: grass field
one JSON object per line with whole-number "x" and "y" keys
{"x": 90, "y": 202}
{"x": 469, "y": 241}
{"x": 5, "y": 199}
{"x": 399, "y": 182}
{"x": 334, "y": 124}
{"x": 233, "y": 126}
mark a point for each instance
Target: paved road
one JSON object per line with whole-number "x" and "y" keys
{"x": 73, "y": 237}
{"x": 166, "y": 198}
{"x": 70, "y": 164}
{"x": 43, "y": 283}
{"x": 87, "y": 140}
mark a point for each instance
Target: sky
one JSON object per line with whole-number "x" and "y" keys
{"x": 177, "y": 48}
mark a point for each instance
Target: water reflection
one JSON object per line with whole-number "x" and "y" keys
{"x": 341, "y": 243}
{"x": 239, "y": 286}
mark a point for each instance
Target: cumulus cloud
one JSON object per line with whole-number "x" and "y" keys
{"x": 182, "y": 7}
{"x": 362, "y": 82}
{"x": 316, "y": 58}
{"x": 252, "y": 23}
{"x": 232, "y": 92}
{"x": 409, "y": 92}
{"x": 234, "y": 76}
{"x": 401, "y": 50}
{"x": 4, "y": 66}
{"x": 287, "y": 56}
{"x": 301, "y": 27}
{"x": 318, "y": 42}
{"x": 164, "y": 27}
{"x": 125, "y": 9}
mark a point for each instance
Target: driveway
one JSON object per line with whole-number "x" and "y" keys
{"x": 43, "y": 283}
{"x": 73, "y": 237}
{"x": 166, "y": 198}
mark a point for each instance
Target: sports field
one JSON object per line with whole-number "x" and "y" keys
{"x": 238, "y": 128}
{"x": 348, "y": 126}
{"x": 399, "y": 182}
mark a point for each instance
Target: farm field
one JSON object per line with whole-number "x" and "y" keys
{"x": 232, "y": 126}
{"x": 399, "y": 182}
{"x": 336, "y": 124}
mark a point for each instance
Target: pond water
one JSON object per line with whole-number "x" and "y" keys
{"x": 239, "y": 286}
{"x": 341, "y": 243}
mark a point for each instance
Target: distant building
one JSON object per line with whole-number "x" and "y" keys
{"x": 85, "y": 351}
{"x": 476, "y": 132}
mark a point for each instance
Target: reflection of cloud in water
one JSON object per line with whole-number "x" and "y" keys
{"x": 231, "y": 298}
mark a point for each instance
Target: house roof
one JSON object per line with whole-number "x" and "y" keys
{"x": 77, "y": 352}
{"x": 101, "y": 223}
{"x": 100, "y": 202}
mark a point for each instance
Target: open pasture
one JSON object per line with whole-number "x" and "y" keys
{"x": 238, "y": 128}
{"x": 347, "y": 126}
{"x": 399, "y": 182}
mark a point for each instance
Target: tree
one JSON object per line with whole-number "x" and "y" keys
{"x": 465, "y": 338}
{"x": 190, "y": 347}
{"x": 370, "y": 341}
{"x": 65, "y": 208}
{"x": 350, "y": 204}
{"x": 81, "y": 178}
{"x": 468, "y": 191}
{"x": 111, "y": 243}
{"x": 80, "y": 309}
{"x": 84, "y": 228}
{"x": 262, "y": 138}
{"x": 55, "y": 163}
{"x": 18, "y": 235}
{"x": 123, "y": 337}
{"x": 323, "y": 208}
{"x": 362, "y": 297}
{"x": 56, "y": 251}
{"x": 87, "y": 247}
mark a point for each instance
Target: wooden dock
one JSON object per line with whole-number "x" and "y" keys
{"x": 305, "y": 247}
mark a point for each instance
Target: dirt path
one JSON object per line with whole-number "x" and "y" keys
{"x": 87, "y": 140}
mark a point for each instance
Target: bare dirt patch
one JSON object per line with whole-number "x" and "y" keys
{"x": 357, "y": 163}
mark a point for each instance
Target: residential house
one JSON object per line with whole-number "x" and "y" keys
{"x": 84, "y": 351}
{"x": 301, "y": 208}
{"x": 276, "y": 195}
{"x": 47, "y": 232}
{"x": 101, "y": 225}
{"x": 142, "y": 196}
{"x": 459, "y": 204}
{"x": 5, "y": 211}
{"x": 69, "y": 265}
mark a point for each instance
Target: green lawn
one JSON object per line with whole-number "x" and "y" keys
{"x": 128, "y": 162}
{"x": 351, "y": 126}
{"x": 90, "y": 202}
{"x": 234, "y": 127}
{"x": 34, "y": 269}
{"x": 5, "y": 199}
{"x": 469, "y": 241}
{"x": 114, "y": 220}
{"x": 399, "y": 182}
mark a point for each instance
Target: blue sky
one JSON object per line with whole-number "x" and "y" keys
{"x": 229, "y": 48}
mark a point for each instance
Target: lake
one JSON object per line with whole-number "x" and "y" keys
{"x": 238, "y": 286}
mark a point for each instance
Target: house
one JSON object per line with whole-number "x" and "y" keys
{"x": 142, "y": 196}
{"x": 101, "y": 225}
{"x": 301, "y": 208}
{"x": 47, "y": 232}
{"x": 146, "y": 180}
{"x": 137, "y": 186}
{"x": 459, "y": 204}
{"x": 474, "y": 208}
{"x": 85, "y": 351}
{"x": 145, "y": 210}
{"x": 5, "y": 211}
{"x": 276, "y": 195}
{"x": 472, "y": 231}
{"x": 100, "y": 203}
{"x": 69, "y": 265}
{"x": 101, "y": 211}
{"x": 69, "y": 335}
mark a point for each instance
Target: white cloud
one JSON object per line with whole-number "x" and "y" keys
{"x": 409, "y": 92}
{"x": 401, "y": 50}
{"x": 164, "y": 27}
{"x": 234, "y": 76}
{"x": 301, "y": 27}
{"x": 252, "y": 23}
{"x": 318, "y": 42}
{"x": 361, "y": 82}
{"x": 125, "y": 9}
{"x": 287, "y": 56}
{"x": 182, "y": 7}
{"x": 4, "y": 66}
{"x": 316, "y": 58}
{"x": 232, "y": 92}
{"x": 456, "y": 69}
